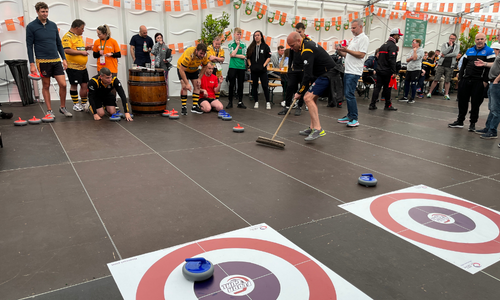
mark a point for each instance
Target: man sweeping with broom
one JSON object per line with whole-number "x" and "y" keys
{"x": 319, "y": 69}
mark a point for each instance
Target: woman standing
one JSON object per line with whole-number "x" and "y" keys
{"x": 258, "y": 56}
{"x": 163, "y": 56}
{"x": 413, "y": 70}
{"x": 106, "y": 50}
{"x": 237, "y": 51}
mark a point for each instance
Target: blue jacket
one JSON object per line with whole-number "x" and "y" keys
{"x": 469, "y": 70}
{"x": 46, "y": 40}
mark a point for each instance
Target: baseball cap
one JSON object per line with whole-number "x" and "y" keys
{"x": 495, "y": 45}
{"x": 396, "y": 31}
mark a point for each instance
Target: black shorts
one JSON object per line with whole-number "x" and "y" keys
{"x": 206, "y": 99}
{"x": 77, "y": 76}
{"x": 109, "y": 100}
{"x": 50, "y": 69}
{"x": 413, "y": 76}
{"x": 191, "y": 76}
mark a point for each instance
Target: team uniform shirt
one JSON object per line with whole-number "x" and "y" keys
{"x": 98, "y": 91}
{"x": 428, "y": 65}
{"x": 109, "y": 46}
{"x": 190, "y": 61}
{"x": 217, "y": 53}
{"x": 317, "y": 62}
{"x": 469, "y": 69}
{"x": 45, "y": 40}
{"x": 235, "y": 62}
{"x": 358, "y": 43}
{"x": 75, "y": 42}
{"x": 295, "y": 61}
{"x": 209, "y": 83}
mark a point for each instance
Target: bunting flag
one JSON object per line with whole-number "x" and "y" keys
{"x": 450, "y": 7}
{"x": 123, "y": 49}
{"x": 89, "y": 42}
{"x": 495, "y": 7}
{"x": 441, "y": 7}
{"x": 477, "y": 7}
{"x": 426, "y": 6}
{"x": 21, "y": 21}
{"x": 396, "y": 7}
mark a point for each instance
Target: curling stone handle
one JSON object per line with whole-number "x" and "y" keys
{"x": 196, "y": 259}
{"x": 367, "y": 174}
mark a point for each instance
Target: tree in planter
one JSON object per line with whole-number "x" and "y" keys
{"x": 468, "y": 41}
{"x": 214, "y": 27}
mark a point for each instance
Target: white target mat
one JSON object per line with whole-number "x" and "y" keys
{"x": 250, "y": 263}
{"x": 461, "y": 232}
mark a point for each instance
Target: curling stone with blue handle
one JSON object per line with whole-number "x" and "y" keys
{"x": 115, "y": 117}
{"x": 221, "y": 113}
{"x": 119, "y": 114}
{"x": 197, "y": 269}
{"x": 34, "y": 120}
{"x": 367, "y": 180}
{"x": 20, "y": 122}
{"x": 227, "y": 117}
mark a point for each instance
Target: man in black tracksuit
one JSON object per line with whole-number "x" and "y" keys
{"x": 472, "y": 81}
{"x": 386, "y": 69}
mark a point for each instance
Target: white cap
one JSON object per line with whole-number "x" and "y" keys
{"x": 495, "y": 45}
{"x": 396, "y": 31}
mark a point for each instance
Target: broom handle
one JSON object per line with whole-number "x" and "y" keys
{"x": 283, "y": 121}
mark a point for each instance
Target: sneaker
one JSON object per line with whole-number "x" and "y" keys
{"x": 446, "y": 97}
{"x": 344, "y": 120}
{"x": 283, "y": 103}
{"x": 372, "y": 107}
{"x": 411, "y": 101}
{"x": 268, "y": 105}
{"x": 488, "y": 136}
{"x": 298, "y": 111}
{"x": 197, "y": 110}
{"x": 472, "y": 127}
{"x": 86, "y": 107}
{"x": 283, "y": 111}
{"x": 419, "y": 90}
{"x": 65, "y": 112}
{"x": 184, "y": 111}
{"x": 229, "y": 105}
{"x": 382, "y": 99}
{"x": 306, "y": 132}
{"x": 353, "y": 123}
{"x": 390, "y": 107}
{"x": 420, "y": 96}
{"x": 241, "y": 105}
{"x": 429, "y": 95}
{"x": 404, "y": 99}
{"x": 456, "y": 124}
{"x": 256, "y": 105}
{"x": 481, "y": 131}
{"x": 77, "y": 107}
{"x": 51, "y": 114}
{"x": 498, "y": 145}
{"x": 315, "y": 134}
{"x": 295, "y": 105}
{"x": 307, "y": 108}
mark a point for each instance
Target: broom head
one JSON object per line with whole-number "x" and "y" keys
{"x": 270, "y": 142}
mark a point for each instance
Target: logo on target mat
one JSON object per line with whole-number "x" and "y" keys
{"x": 237, "y": 285}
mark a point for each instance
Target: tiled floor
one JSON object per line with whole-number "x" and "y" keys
{"x": 77, "y": 194}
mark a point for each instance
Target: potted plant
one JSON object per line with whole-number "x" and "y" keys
{"x": 214, "y": 27}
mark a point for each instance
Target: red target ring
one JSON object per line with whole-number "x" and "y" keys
{"x": 380, "y": 210}
{"x": 152, "y": 284}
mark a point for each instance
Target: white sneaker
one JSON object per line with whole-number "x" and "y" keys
{"x": 268, "y": 105}
{"x": 307, "y": 108}
{"x": 283, "y": 103}
{"x": 256, "y": 105}
{"x": 85, "y": 107}
{"x": 77, "y": 107}
{"x": 51, "y": 113}
{"x": 65, "y": 112}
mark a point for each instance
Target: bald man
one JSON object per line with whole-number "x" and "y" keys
{"x": 472, "y": 82}
{"x": 140, "y": 47}
{"x": 319, "y": 71}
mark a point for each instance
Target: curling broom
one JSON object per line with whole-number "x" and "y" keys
{"x": 271, "y": 141}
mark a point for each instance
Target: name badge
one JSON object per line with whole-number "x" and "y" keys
{"x": 102, "y": 60}
{"x": 218, "y": 66}
{"x": 261, "y": 51}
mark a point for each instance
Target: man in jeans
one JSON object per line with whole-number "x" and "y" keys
{"x": 354, "y": 55}
{"x": 445, "y": 63}
{"x": 490, "y": 130}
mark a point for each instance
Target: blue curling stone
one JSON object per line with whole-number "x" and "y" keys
{"x": 119, "y": 114}
{"x": 114, "y": 117}
{"x": 227, "y": 117}
{"x": 197, "y": 269}
{"x": 221, "y": 113}
{"x": 367, "y": 180}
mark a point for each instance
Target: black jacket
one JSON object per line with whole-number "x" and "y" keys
{"x": 264, "y": 54}
{"x": 295, "y": 61}
{"x": 387, "y": 58}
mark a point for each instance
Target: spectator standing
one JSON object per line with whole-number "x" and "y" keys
{"x": 258, "y": 57}
{"x": 106, "y": 50}
{"x": 140, "y": 46}
{"x": 354, "y": 55}
{"x": 238, "y": 52}
{"x": 163, "y": 56}
{"x": 446, "y": 63}
{"x": 413, "y": 70}
{"x": 42, "y": 36}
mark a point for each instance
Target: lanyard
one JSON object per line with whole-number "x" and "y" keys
{"x": 100, "y": 43}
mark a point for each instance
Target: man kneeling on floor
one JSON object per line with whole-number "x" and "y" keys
{"x": 210, "y": 85}
{"x": 101, "y": 94}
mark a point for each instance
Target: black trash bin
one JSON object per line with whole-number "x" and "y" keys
{"x": 20, "y": 72}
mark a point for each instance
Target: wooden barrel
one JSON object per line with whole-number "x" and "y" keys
{"x": 147, "y": 91}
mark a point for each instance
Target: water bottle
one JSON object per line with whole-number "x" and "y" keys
{"x": 145, "y": 47}
{"x": 153, "y": 62}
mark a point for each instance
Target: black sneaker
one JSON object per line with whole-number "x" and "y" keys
{"x": 197, "y": 110}
{"x": 298, "y": 111}
{"x": 488, "y": 135}
{"x": 184, "y": 111}
{"x": 456, "y": 124}
{"x": 372, "y": 107}
{"x": 481, "y": 131}
{"x": 390, "y": 107}
{"x": 229, "y": 105}
{"x": 240, "y": 105}
{"x": 283, "y": 111}
{"x": 410, "y": 101}
{"x": 472, "y": 127}
{"x": 404, "y": 99}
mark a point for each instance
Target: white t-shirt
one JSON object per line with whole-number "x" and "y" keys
{"x": 354, "y": 65}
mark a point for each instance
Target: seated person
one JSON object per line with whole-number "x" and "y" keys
{"x": 102, "y": 89}
{"x": 279, "y": 60}
{"x": 210, "y": 85}
{"x": 369, "y": 75}
{"x": 428, "y": 70}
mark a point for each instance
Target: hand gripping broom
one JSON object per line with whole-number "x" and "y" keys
{"x": 271, "y": 141}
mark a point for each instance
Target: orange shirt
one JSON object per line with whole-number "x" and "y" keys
{"x": 111, "y": 46}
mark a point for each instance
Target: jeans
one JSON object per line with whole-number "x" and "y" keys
{"x": 350, "y": 83}
{"x": 494, "y": 107}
